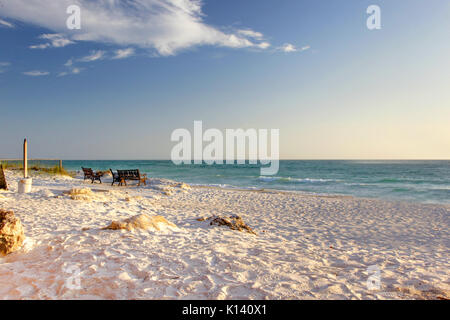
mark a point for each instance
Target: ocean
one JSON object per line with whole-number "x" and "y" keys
{"x": 418, "y": 181}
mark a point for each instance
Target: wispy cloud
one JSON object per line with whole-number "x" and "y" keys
{"x": 76, "y": 70}
{"x": 6, "y": 24}
{"x": 71, "y": 71}
{"x": 123, "y": 53}
{"x": 4, "y": 66}
{"x": 288, "y": 48}
{"x": 166, "y": 26}
{"x": 264, "y": 45}
{"x": 56, "y": 41}
{"x": 36, "y": 73}
{"x": 305, "y": 48}
{"x": 251, "y": 34}
{"x": 40, "y": 46}
{"x": 94, "y": 56}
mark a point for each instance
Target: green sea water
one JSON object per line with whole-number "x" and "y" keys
{"x": 418, "y": 181}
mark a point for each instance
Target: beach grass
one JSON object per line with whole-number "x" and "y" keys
{"x": 38, "y": 168}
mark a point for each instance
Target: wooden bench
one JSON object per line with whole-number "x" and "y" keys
{"x": 115, "y": 177}
{"x": 93, "y": 176}
{"x": 133, "y": 175}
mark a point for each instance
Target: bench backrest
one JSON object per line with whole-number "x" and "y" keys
{"x": 87, "y": 171}
{"x": 129, "y": 174}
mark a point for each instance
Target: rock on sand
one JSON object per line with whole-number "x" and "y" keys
{"x": 233, "y": 222}
{"x": 11, "y": 232}
{"x": 142, "y": 221}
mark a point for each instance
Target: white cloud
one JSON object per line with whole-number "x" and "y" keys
{"x": 36, "y": 73}
{"x": 71, "y": 71}
{"x": 264, "y": 45}
{"x": 251, "y": 34}
{"x": 305, "y": 48}
{"x": 7, "y": 24}
{"x": 56, "y": 41}
{"x": 76, "y": 70}
{"x": 94, "y": 56}
{"x": 40, "y": 46}
{"x": 123, "y": 53}
{"x": 167, "y": 26}
{"x": 288, "y": 48}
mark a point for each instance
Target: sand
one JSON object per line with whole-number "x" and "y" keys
{"x": 306, "y": 247}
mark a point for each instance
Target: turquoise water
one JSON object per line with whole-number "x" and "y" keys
{"x": 419, "y": 181}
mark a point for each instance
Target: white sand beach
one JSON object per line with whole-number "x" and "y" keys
{"x": 306, "y": 247}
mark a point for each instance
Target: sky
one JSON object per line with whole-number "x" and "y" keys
{"x": 139, "y": 69}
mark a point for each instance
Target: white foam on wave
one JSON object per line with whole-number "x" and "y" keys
{"x": 311, "y": 180}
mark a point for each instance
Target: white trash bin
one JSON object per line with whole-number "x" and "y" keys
{"x": 25, "y": 185}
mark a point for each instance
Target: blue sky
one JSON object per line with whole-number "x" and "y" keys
{"x": 312, "y": 69}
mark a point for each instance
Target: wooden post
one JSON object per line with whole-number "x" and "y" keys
{"x": 25, "y": 159}
{"x": 60, "y": 166}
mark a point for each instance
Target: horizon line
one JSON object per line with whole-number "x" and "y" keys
{"x": 224, "y": 160}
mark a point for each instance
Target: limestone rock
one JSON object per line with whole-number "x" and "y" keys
{"x": 85, "y": 194}
{"x": 183, "y": 186}
{"x": 80, "y": 194}
{"x": 133, "y": 198}
{"x": 168, "y": 191}
{"x": 233, "y": 222}
{"x": 168, "y": 187}
{"x": 142, "y": 221}
{"x": 11, "y": 232}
